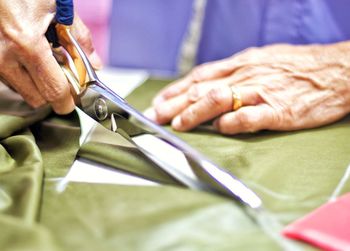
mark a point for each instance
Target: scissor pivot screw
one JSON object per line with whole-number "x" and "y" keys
{"x": 101, "y": 109}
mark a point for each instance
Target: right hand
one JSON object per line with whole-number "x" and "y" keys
{"x": 26, "y": 61}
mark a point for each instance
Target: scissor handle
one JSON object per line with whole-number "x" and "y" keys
{"x": 71, "y": 58}
{"x": 73, "y": 65}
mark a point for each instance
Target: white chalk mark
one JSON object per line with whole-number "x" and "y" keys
{"x": 341, "y": 184}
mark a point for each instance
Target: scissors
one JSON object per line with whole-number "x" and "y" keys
{"x": 104, "y": 105}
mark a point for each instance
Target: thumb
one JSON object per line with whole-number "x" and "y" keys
{"x": 84, "y": 38}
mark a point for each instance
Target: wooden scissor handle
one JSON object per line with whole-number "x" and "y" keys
{"x": 75, "y": 72}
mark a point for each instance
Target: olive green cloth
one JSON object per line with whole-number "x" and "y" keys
{"x": 293, "y": 173}
{"x": 31, "y": 141}
{"x": 112, "y": 149}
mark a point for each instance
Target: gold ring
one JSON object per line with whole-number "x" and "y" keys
{"x": 236, "y": 99}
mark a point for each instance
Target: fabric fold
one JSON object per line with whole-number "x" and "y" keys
{"x": 293, "y": 172}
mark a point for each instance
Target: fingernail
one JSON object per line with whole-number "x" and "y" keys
{"x": 176, "y": 123}
{"x": 157, "y": 100}
{"x": 150, "y": 113}
{"x": 96, "y": 60}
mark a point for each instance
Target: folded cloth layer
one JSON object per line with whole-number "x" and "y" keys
{"x": 30, "y": 142}
{"x": 293, "y": 172}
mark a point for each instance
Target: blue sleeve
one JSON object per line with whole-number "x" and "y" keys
{"x": 64, "y": 12}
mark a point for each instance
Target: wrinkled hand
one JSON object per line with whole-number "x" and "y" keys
{"x": 282, "y": 87}
{"x": 26, "y": 61}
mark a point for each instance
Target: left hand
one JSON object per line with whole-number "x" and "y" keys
{"x": 282, "y": 87}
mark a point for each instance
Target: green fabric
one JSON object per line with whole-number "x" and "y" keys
{"x": 22, "y": 162}
{"x": 293, "y": 173}
{"x": 111, "y": 149}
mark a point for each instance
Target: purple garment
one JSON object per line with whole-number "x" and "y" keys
{"x": 148, "y": 34}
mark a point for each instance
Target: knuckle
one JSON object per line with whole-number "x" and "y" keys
{"x": 214, "y": 98}
{"x": 245, "y": 122}
{"x": 280, "y": 118}
{"x": 54, "y": 92}
{"x": 9, "y": 34}
{"x": 288, "y": 112}
{"x": 25, "y": 44}
{"x": 23, "y": 41}
{"x": 193, "y": 93}
{"x": 197, "y": 74}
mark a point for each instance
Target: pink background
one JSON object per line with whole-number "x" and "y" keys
{"x": 95, "y": 15}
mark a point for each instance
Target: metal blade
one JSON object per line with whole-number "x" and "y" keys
{"x": 101, "y": 103}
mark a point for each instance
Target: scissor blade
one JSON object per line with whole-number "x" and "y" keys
{"x": 100, "y": 103}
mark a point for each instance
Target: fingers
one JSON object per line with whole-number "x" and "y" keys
{"x": 195, "y": 92}
{"x": 242, "y": 67}
{"x": 166, "y": 111}
{"x": 201, "y": 73}
{"x": 83, "y": 36}
{"x": 174, "y": 89}
{"x": 48, "y": 77}
{"x": 24, "y": 85}
{"x": 247, "y": 119}
{"x": 214, "y": 103}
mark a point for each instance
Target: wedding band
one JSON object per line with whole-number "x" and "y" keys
{"x": 236, "y": 99}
